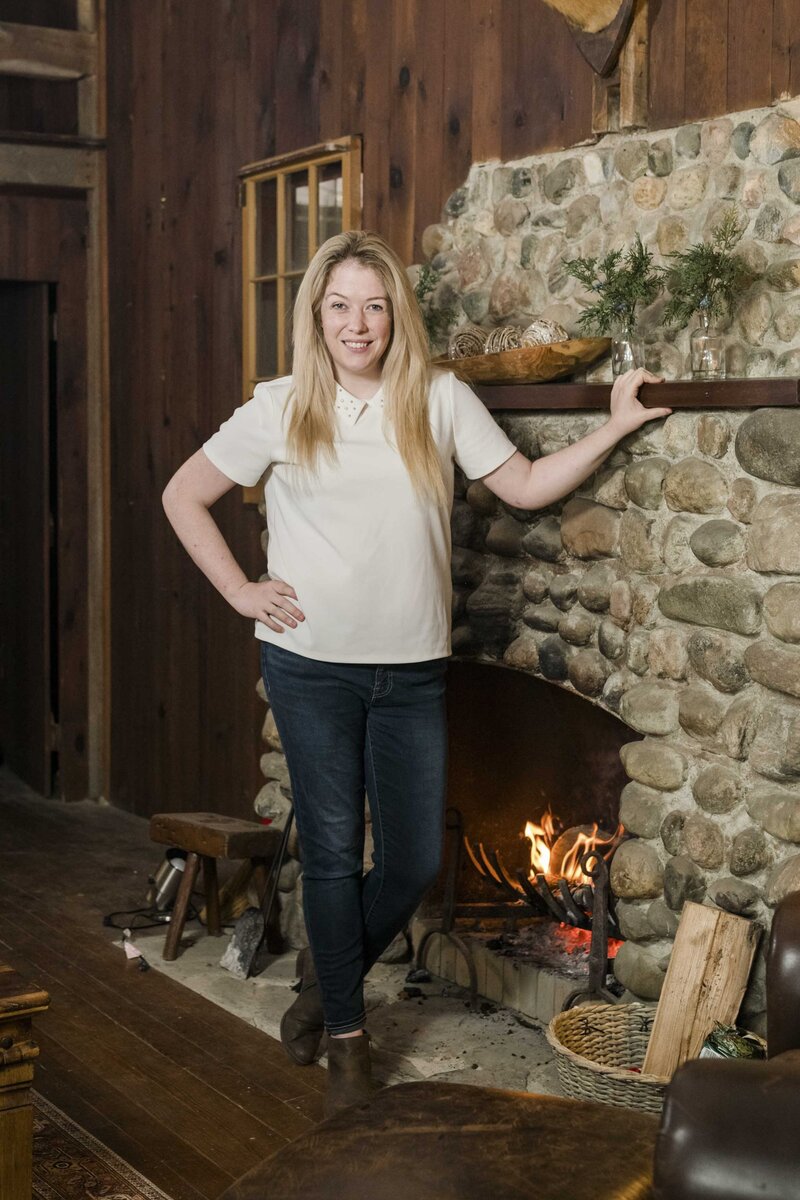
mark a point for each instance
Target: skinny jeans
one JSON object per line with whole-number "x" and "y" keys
{"x": 347, "y": 729}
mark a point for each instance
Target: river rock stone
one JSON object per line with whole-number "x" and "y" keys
{"x": 654, "y": 764}
{"x": 633, "y": 923}
{"x": 509, "y": 214}
{"x": 717, "y": 543}
{"x": 522, "y": 653}
{"x": 615, "y": 688}
{"x": 704, "y": 842}
{"x": 738, "y": 726}
{"x": 648, "y": 192}
{"x": 672, "y": 235}
{"x": 583, "y": 215}
{"x": 735, "y": 896}
{"x": 638, "y": 971}
{"x": 590, "y": 530}
{"x": 644, "y": 481}
{"x": 671, "y": 831}
{"x": 637, "y": 652}
{"x": 680, "y": 434}
{"x": 480, "y": 499}
{"x": 641, "y": 810}
{"x": 534, "y": 586}
{"x": 683, "y": 880}
{"x": 774, "y": 535}
{"x": 776, "y": 139}
{"x": 723, "y": 602}
{"x": 638, "y": 546}
{"x": 713, "y": 435}
{"x": 742, "y": 500}
{"x": 577, "y": 627}
{"x": 662, "y": 919}
{"x": 719, "y": 660}
{"x": 775, "y": 750}
{"x": 766, "y": 445}
{"x": 609, "y": 488}
{"x": 687, "y": 141}
{"x": 741, "y": 138}
{"x": 700, "y": 711}
{"x": 594, "y": 588}
{"x": 610, "y": 639}
{"x": 667, "y": 654}
{"x": 687, "y": 187}
{"x": 777, "y": 812}
{"x": 782, "y": 611}
{"x": 632, "y": 159}
{"x": 505, "y": 537}
{"x": 644, "y": 608}
{"x": 718, "y": 790}
{"x": 554, "y": 656}
{"x": 467, "y": 567}
{"x": 695, "y": 486}
{"x": 521, "y": 181}
{"x": 620, "y": 601}
{"x": 774, "y": 666}
{"x": 715, "y": 138}
{"x": 755, "y": 317}
{"x": 651, "y": 707}
{"x": 563, "y": 590}
{"x": 769, "y": 223}
{"x": 785, "y": 878}
{"x": 491, "y": 610}
{"x": 784, "y": 276}
{"x": 678, "y": 553}
{"x": 636, "y": 871}
{"x": 544, "y": 540}
{"x": 544, "y": 616}
{"x": 749, "y": 852}
{"x": 476, "y": 305}
{"x": 659, "y": 157}
{"x": 560, "y": 181}
{"x": 465, "y": 526}
{"x": 588, "y": 672}
{"x": 456, "y": 202}
{"x": 789, "y": 180}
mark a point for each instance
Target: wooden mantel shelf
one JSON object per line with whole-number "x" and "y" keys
{"x": 683, "y": 393}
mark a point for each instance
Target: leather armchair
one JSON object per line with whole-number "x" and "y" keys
{"x": 730, "y": 1130}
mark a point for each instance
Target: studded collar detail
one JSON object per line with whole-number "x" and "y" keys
{"x": 350, "y": 408}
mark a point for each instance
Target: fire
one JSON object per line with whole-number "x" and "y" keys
{"x": 544, "y": 839}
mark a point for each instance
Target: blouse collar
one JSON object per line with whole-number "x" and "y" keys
{"x": 350, "y": 407}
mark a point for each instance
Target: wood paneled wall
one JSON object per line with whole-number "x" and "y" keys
{"x": 198, "y": 88}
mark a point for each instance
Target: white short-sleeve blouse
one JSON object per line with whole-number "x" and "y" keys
{"x": 368, "y": 559}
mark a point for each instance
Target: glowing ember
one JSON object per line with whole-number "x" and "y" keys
{"x": 560, "y": 855}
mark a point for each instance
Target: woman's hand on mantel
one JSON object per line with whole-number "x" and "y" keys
{"x": 627, "y": 411}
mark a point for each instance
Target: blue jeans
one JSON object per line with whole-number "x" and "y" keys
{"x": 347, "y": 728}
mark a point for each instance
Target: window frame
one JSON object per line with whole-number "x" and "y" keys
{"x": 346, "y": 150}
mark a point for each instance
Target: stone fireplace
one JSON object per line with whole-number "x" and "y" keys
{"x": 664, "y": 593}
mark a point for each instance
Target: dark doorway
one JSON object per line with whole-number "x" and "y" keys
{"x": 28, "y": 525}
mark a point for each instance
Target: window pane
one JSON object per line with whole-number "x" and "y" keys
{"x": 266, "y": 330}
{"x": 330, "y": 201}
{"x": 266, "y": 227}
{"x": 297, "y": 221}
{"x": 292, "y": 288}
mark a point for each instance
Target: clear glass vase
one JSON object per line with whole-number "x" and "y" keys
{"x": 627, "y": 350}
{"x": 707, "y": 348}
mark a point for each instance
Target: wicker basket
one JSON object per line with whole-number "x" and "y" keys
{"x": 595, "y": 1047}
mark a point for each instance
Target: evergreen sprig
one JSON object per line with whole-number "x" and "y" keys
{"x": 707, "y": 277}
{"x": 623, "y": 280}
{"x": 437, "y": 320}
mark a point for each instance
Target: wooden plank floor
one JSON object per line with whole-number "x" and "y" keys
{"x": 185, "y": 1092}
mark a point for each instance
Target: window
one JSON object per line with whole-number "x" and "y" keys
{"x": 290, "y": 206}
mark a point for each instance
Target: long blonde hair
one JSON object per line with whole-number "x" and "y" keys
{"x": 405, "y": 373}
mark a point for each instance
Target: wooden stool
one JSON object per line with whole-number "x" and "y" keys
{"x": 206, "y": 837}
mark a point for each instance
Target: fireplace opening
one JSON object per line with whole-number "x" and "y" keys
{"x": 534, "y": 788}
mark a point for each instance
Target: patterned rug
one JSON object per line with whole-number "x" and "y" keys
{"x": 70, "y": 1164}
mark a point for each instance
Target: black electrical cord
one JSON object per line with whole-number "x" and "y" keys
{"x": 144, "y": 918}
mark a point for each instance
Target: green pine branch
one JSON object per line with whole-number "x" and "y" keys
{"x": 708, "y": 277}
{"x": 622, "y": 280}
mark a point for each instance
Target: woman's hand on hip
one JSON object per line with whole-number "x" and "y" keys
{"x": 269, "y": 602}
{"x": 627, "y": 411}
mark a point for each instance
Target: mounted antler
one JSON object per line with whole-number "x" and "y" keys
{"x": 599, "y": 28}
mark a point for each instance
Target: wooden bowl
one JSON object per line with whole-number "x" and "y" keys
{"x": 531, "y": 364}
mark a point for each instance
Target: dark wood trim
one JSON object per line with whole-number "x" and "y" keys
{"x": 682, "y": 393}
{"x": 74, "y": 140}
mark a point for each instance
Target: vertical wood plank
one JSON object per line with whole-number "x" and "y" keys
{"x": 458, "y": 85}
{"x": 403, "y": 81}
{"x": 429, "y": 131}
{"x": 706, "y": 59}
{"x": 331, "y": 73}
{"x": 296, "y": 82}
{"x": 785, "y": 60}
{"x": 667, "y": 68}
{"x": 377, "y": 109}
{"x": 353, "y": 83}
{"x": 749, "y": 54}
{"x": 487, "y": 68}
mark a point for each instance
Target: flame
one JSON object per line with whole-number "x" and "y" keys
{"x": 543, "y": 836}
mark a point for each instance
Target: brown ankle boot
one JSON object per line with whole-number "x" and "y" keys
{"x": 303, "y": 1023}
{"x": 349, "y": 1073}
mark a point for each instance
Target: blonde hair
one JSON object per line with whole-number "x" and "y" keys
{"x": 405, "y": 374}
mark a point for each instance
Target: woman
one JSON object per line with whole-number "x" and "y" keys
{"x": 358, "y": 448}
